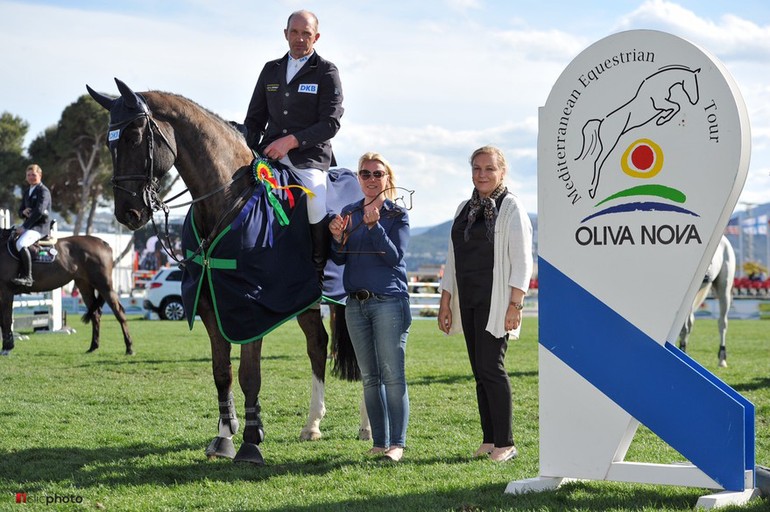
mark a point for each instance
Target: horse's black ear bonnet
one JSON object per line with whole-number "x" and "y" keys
{"x": 124, "y": 109}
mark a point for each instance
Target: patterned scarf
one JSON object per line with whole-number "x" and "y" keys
{"x": 489, "y": 205}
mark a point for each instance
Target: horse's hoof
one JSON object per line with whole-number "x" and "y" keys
{"x": 129, "y": 352}
{"x": 250, "y": 452}
{"x": 723, "y": 363}
{"x": 309, "y": 434}
{"x": 364, "y": 434}
{"x": 220, "y": 447}
{"x": 91, "y": 350}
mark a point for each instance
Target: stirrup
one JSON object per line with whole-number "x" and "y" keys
{"x": 22, "y": 281}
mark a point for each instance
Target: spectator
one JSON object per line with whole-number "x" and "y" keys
{"x": 370, "y": 238}
{"x": 487, "y": 273}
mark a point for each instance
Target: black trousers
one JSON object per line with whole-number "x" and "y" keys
{"x": 493, "y": 388}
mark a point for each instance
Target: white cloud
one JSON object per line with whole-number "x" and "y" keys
{"x": 730, "y": 36}
{"x": 539, "y": 45}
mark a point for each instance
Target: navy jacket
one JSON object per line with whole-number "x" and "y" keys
{"x": 309, "y": 107}
{"x": 374, "y": 258}
{"x": 40, "y": 204}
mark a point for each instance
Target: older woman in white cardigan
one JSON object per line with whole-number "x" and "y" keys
{"x": 486, "y": 276}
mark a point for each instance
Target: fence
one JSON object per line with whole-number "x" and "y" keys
{"x": 424, "y": 297}
{"x": 38, "y": 312}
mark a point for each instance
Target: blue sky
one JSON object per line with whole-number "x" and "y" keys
{"x": 425, "y": 83}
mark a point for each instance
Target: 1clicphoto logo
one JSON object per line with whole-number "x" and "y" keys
{"x": 47, "y": 499}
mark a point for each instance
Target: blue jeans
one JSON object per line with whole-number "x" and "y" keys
{"x": 378, "y": 329}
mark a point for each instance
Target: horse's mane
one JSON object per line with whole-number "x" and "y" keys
{"x": 187, "y": 102}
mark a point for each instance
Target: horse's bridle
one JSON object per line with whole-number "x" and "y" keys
{"x": 151, "y": 186}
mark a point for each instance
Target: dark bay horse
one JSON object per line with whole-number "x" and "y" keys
{"x": 85, "y": 259}
{"x": 153, "y": 131}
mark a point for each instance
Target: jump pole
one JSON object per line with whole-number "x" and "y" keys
{"x": 643, "y": 150}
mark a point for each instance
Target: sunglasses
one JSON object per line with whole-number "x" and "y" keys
{"x": 365, "y": 175}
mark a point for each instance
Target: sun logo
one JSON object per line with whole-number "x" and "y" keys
{"x": 642, "y": 159}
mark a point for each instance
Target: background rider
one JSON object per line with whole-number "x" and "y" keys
{"x": 34, "y": 210}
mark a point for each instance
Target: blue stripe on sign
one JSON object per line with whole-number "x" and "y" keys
{"x": 747, "y": 406}
{"x": 694, "y": 414}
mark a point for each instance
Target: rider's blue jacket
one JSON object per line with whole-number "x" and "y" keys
{"x": 39, "y": 203}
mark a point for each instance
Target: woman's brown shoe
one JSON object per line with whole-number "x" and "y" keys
{"x": 484, "y": 450}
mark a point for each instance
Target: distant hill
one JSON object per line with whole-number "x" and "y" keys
{"x": 429, "y": 246}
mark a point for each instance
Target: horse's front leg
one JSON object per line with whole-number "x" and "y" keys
{"x": 317, "y": 340}
{"x": 222, "y": 445}
{"x": 6, "y": 320}
{"x": 250, "y": 379}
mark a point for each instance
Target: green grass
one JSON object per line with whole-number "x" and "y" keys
{"x": 129, "y": 433}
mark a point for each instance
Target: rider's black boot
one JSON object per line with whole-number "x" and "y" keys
{"x": 321, "y": 238}
{"x": 26, "y": 269}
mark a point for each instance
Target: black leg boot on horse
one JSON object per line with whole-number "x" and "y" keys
{"x": 253, "y": 435}
{"x": 8, "y": 343}
{"x": 25, "y": 279}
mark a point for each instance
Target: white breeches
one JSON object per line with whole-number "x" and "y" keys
{"x": 27, "y": 238}
{"x": 315, "y": 180}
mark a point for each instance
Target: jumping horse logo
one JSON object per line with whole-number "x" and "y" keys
{"x": 655, "y": 99}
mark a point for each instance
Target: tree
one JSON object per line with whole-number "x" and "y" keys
{"x": 79, "y": 161}
{"x": 82, "y": 142}
{"x": 13, "y": 129}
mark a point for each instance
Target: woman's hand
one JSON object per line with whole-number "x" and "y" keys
{"x": 337, "y": 227}
{"x": 512, "y": 318}
{"x": 445, "y": 312}
{"x": 371, "y": 217}
{"x": 444, "y": 319}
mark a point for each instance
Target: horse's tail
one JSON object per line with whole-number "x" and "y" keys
{"x": 96, "y": 305}
{"x": 591, "y": 139}
{"x": 345, "y": 365}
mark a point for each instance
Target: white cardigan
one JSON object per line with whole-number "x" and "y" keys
{"x": 513, "y": 266}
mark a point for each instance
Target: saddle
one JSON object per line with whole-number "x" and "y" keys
{"x": 42, "y": 251}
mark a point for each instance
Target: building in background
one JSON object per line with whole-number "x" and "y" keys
{"x": 747, "y": 231}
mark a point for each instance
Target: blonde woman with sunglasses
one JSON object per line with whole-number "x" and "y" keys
{"x": 370, "y": 237}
